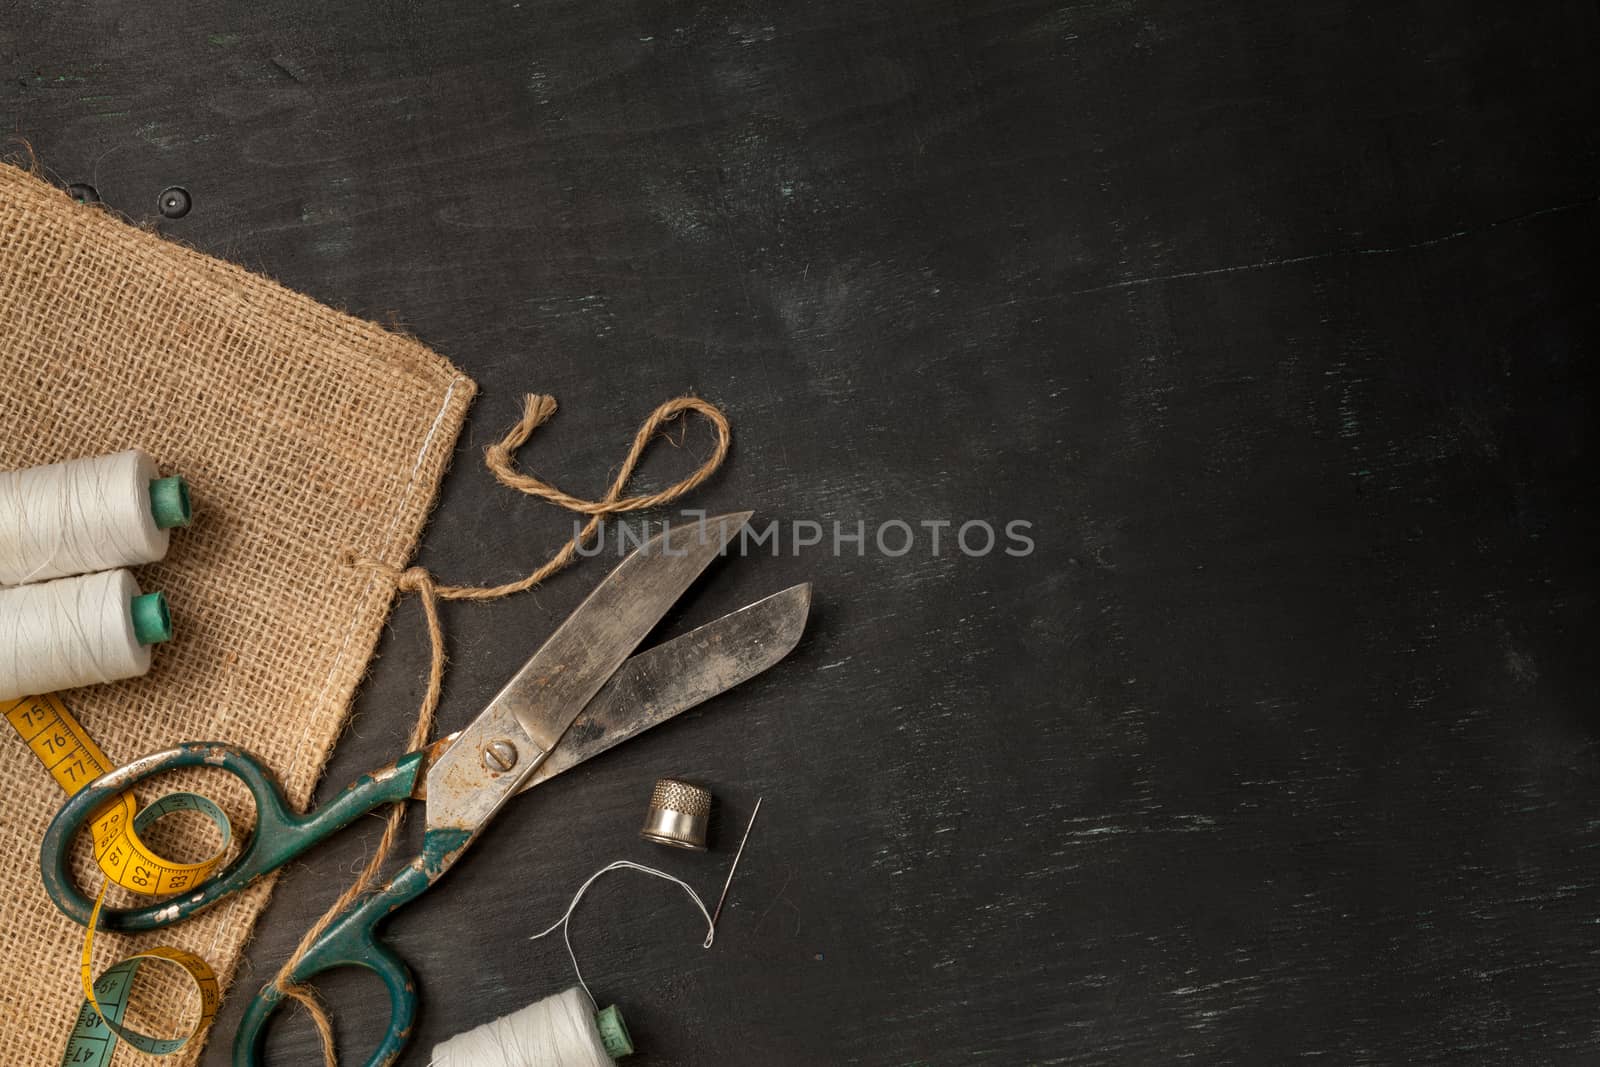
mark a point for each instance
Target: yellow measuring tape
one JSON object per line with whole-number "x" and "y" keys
{"x": 74, "y": 760}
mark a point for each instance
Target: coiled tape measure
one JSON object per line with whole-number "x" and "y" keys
{"x": 74, "y": 760}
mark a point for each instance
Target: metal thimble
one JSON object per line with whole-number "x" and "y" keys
{"x": 678, "y": 815}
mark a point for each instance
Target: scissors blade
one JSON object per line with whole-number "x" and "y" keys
{"x": 561, "y": 678}
{"x": 508, "y": 740}
{"x": 662, "y": 682}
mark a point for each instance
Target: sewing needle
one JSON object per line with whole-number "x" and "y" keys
{"x": 717, "y": 914}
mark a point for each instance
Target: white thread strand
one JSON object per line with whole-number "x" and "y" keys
{"x": 78, "y": 517}
{"x": 564, "y": 924}
{"x": 560, "y": 1031}
{"x": 557, "y": 1031}
{"x": 69, "y": 632}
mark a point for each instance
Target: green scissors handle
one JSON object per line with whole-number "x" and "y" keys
{"x": 351, "y": 941}
{"x": 280, "y": 835}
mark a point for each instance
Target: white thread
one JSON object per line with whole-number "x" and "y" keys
{"x": 560, "y": 1031}
{"x": 564, "y": 924}
{"x": 78, "y": 517}
{"x": 69, "y": 632}
{"x": 557, "y": 1031}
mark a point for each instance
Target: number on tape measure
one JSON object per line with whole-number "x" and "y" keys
{"x": 92, "y": 1042}
{"x": 46, "y": 727}
{"x": 74, "y": 760}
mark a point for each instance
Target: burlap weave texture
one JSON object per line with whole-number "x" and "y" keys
{"x": 304, "y": 433}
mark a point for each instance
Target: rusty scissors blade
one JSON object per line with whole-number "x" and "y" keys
{"x": 657, "y": 685}
{"x": 660, "y": 683}
{"x": 508, "y": 741}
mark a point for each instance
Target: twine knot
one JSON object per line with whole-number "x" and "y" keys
{"x": 414, "y": 580}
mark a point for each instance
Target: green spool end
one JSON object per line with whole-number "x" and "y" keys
{"x": 169, "y": 502}
{"x": 152, "y": 624}
{"x": 614, "y": 1033}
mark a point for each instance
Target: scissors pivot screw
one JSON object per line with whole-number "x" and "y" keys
{"x": 500, "y": 755}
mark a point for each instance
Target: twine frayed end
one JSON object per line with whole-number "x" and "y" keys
{"x": 537, "y": 408}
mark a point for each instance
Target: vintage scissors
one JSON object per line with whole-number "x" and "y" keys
{"x": 579, "y": 695}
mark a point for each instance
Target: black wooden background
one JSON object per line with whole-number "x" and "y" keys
{"x": 1270, "y": 318}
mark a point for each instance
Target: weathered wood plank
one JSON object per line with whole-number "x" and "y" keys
{"x": 1270, "y": 318}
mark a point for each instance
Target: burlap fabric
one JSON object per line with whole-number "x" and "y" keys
{"x": 304, "y": 433}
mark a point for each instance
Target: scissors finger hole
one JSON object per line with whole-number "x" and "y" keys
{"x": 352, "y": 998}
{"x": 217, "y": 785}
{"x": 163, "y": 837}
{"x": 180, "y": 827}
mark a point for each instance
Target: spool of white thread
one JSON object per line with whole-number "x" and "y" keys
{"x": 558, "y": 1031}
{"x": 77, "y": 631}
{"x": 86, "y": 515}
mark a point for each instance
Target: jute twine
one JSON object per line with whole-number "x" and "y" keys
{"x": 499, "y": 459}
